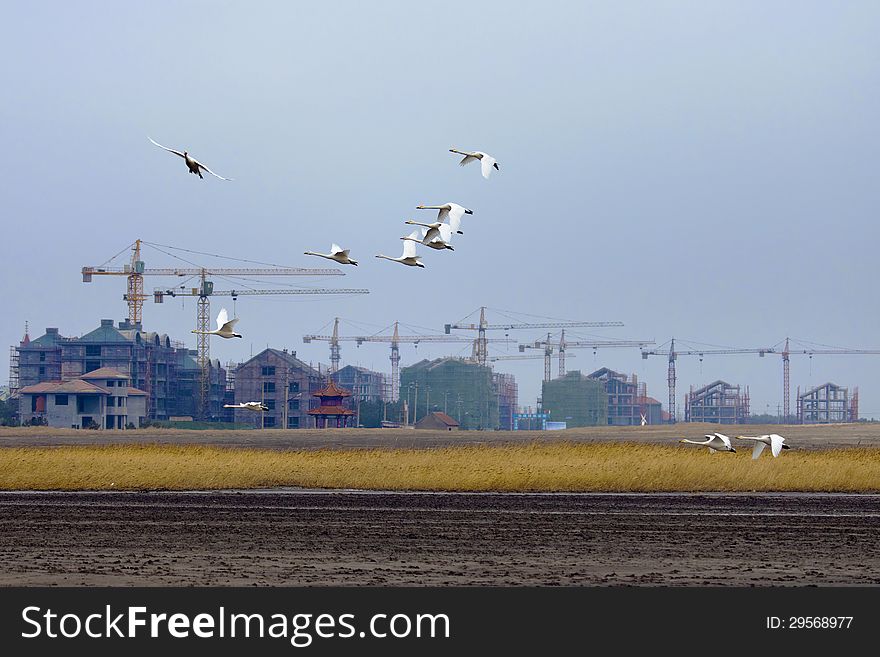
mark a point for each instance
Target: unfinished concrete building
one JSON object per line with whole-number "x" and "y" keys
{"x": 284, "y": 383}
{"x": 508, "y": 398}
{"x": 577, "y": 400}
{"x": 159, "y": 366}
{"x": 826, "y": 404}
{"x": 718, "y": 403}
{"x": 365, "y": 385}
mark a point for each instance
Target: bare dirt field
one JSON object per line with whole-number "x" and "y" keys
{"x": 799, "y": 436}
{"x": 411, "y": 539}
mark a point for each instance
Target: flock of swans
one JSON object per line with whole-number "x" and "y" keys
{"x": 718, "y": 442}
{"x": 435, "y": 235}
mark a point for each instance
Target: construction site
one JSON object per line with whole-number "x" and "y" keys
{"x": 183, "y": 384}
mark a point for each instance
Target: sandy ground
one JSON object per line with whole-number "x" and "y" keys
{"x": 411, "y": 539}
{"x": 799, "y": 436}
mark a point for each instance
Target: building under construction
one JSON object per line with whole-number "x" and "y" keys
{"x": 718, "y": 402}
{"x": 163, "y": 368}
{"x": 577, "y": 400}
{"x": 283, "y": 383}
{"x": 469, "y": 392}
{"x": 628, "y": 400}
{"x": 827, "y": 404}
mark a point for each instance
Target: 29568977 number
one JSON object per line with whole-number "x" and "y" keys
{"x": 809, "y": 622}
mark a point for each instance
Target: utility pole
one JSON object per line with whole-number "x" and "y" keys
{"x": 416, "y": 403}
{"x": 446, "y": 402}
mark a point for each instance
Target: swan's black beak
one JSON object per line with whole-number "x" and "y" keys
{"x": 786, "y": 447}
{"x": 733, "y": 450}
{"x": 496, "y": 166}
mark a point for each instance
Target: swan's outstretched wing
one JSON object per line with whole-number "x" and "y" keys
{"x": 335, "y": 248}
{"x": 455, "y": 211}
{"x": 170, "y": 150}
{"x": 445, "y": 231}
{"x": 724, "y": 439}
{"x": 222, "y": 319}
{"x": 217, "y": 175}
{"x": 409, "y": 247}
{"x": 776, "y": 443}
{"x": 467, "y": 160}
{"x": 757, "y": 449}
{"x": 455, "y": 223}
{"x": 487, "y": 162}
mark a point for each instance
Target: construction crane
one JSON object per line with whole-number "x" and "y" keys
{"x": 136, "y": 270}
{"x": 203, "y": 321}
{"x": 785, "y": 351}
{"x": 481, "y": 351}
{"x": 394, "y": 339}
{"x": 563, "y": 345}
{"x": 672, "y": 354}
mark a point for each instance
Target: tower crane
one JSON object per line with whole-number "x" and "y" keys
{"x": 562, "y": 345}
{"x": 394, "y": 339}
{"x": 672, "y": 354}
{"x": 204, "y": 292}
{"x": 136, "y": 270}
{"x": 786, "y": 352}
{"x": 481, "y": 351}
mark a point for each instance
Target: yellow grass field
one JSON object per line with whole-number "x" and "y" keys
{"x": 593, "y": 467}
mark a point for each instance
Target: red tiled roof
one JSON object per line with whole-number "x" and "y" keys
{"x": 105, "y": 373}
{"x": 75, "y": 386}
{"x": 330, "y": 410}
{"x": 445, "y": 419}
{"x": 332, "y": 390}
{"x": 136, "y": 393}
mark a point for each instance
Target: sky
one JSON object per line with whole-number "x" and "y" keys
{"x": 699, "y": 170}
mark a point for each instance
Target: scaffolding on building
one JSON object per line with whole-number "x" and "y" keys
{"x": 718, "y": 403}
{"x": 827, "y": 404}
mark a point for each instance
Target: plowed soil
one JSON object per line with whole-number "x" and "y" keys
{"x": 409, "y": 539}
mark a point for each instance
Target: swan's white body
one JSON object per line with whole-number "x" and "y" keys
{"x": 436, "y": 235}
{"x": 257, "y": 407}
{"x": 774, "y": 441}
{"x": 409, "y": 257}
{"x": 438, "y": 239}
{"x": 450, "y": 212}
{"x": 192, "y": 164}
{"x": 337, "y": 254}
{"x": 224, "y": 326}
{"x": 487, "y": 162}
{"x": 716, "y": 442}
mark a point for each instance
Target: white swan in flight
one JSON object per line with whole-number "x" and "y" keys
{"x": 192, "y": 164}
{"x": 224, "y": 326}
{"x": 249, "y": 406}
{"x": 772, "y": 440}
{"x": 644, "y": 419}
{"x": 436, "y": 239}
{"x": 487, "y": 162}
{"x": 716, "y": 442}
{"x": 409, "y": 257}
{"x": 451, "y": 212}
{"x": 337, "y": 254}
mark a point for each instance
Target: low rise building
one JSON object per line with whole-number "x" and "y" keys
{"x": 102, "y": 398}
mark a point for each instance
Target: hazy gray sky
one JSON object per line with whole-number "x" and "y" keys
{"x": 706, "y": 170}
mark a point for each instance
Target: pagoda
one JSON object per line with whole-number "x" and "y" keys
{"x": 332, "y": 411}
